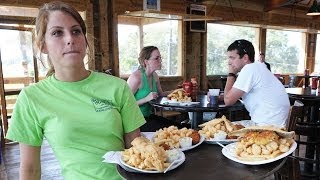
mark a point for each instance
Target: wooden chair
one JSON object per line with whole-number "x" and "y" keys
{"x": 291, "y": 169}
{"x": 309, "y": 107}
{"x": 306, "y": 159}
{"x": 295, "y": 115}
{"x": 308, "y": 140}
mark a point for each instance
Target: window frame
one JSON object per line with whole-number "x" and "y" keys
{"x": 140, "y": 22}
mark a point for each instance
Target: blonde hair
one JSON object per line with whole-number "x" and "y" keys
{"x": 42, "y": 22}
{"x": 144, "y": 54}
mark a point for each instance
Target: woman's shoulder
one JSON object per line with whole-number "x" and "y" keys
{"x": 106, "y": 77}
{"x": 137, "y": 73}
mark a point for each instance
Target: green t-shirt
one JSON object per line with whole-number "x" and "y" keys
{"x": 81, "y": 121}
{"x": 144, "y": 91}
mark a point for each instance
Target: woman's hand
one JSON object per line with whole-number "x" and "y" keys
{"x": 151, "y": 96}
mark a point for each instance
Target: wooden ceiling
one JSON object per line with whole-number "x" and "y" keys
{"x": 268, "y": 5}
{"x": 298, "y": 4}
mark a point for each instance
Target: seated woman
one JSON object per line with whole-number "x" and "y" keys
{"x": 145, "y": 85}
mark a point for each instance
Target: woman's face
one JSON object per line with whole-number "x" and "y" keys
{"x": 64, "y": 41}
{"x": 154, "y": 62}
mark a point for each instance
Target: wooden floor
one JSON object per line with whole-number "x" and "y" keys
{"x": 11, "y": 159}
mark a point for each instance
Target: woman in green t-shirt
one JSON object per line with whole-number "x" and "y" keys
{"x": 81, "y": 113}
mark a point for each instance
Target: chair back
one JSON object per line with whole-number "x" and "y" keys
{"x": 309, "y": 106}
{"x": 308, "y": 149}
{"x": 289, "y": 171}
{"x": 295, "y": 115}
{"x": 305, "y": 161}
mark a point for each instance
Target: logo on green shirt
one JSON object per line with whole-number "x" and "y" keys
{"x": 101, "y": 105}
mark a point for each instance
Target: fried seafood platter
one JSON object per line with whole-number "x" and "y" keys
{"x": 219, "y": 129}
{"x": 174, "y": 138}
{"x": 258, "y": 143}
{"x": 179, "y": 95}
{"x": 147, "y": 156}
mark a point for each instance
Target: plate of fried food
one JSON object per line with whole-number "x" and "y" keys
{"x": 260, "y": 145}
{"x": 218, "y": 129}
{"x": 147, "y": 157}
{"x": 173, "y": 138}
{"x": 179, "y": 97}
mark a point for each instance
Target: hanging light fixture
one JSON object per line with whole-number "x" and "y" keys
{"x": 314, "y": 9}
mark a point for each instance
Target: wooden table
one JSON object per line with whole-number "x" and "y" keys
{"x": 310, "y": 98}
{"x": 197, "y": 109}
{"x": 207, "y": 162}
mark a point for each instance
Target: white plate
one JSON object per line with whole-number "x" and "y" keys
{"x": 229, "y": 152}
{"x": 176, "y": 103}
{"x": 245, "y": 123}
{"x": 150, "y": 136}
{"x": 129, "y": 168}
{"x": 224, "y": 141}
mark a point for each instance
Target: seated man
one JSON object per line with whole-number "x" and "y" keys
{"x": 263, "y": 94}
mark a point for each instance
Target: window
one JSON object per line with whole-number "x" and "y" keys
{"x": 128, "y": 48}
{"x": 17, "y": 54}
{"x": 163, "y": 34}
{"x": 317, "y": 60}
{"x": 285, "y": 51}
{"x": 219, "y": 37}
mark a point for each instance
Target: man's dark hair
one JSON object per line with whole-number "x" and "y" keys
{"x": 243, "y": 47}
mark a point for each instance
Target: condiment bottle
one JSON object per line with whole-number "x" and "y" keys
{"x": 306, "y": 78}
{"x": 314, "y": 83}
{"x": 194, "y": 93}
{"x": 319, "y": 87}
{"x": 187, "y": 86}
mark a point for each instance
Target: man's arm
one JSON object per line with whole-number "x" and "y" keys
{"x": 231, "y": 94}
{"x": 30, "y": 168}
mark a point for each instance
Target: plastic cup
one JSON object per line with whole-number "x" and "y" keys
{"x": 213, "y": 100}
{"x": 214, "y": 92}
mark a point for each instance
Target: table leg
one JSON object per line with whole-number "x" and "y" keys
{"x": 197, "y": 118}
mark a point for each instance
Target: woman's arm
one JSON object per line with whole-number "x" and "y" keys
{"x": 129, "y": 137}
{"x": 159, "y": 88}
{"x": 134, "y": 82}
{"x": 30, "y": 167}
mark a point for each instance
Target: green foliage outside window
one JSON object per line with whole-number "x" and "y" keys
{"x": 219, "y": 37}
{"x": 163, "y": 35}
{"x": 284, "y": 51}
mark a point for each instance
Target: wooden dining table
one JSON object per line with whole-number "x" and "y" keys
{"x": 207, "y": 162}
{"x": 310, "y": 98}
{"x": 198, "y": 108}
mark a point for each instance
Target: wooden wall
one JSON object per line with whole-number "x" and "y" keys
{"x": 101, "y": 19}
